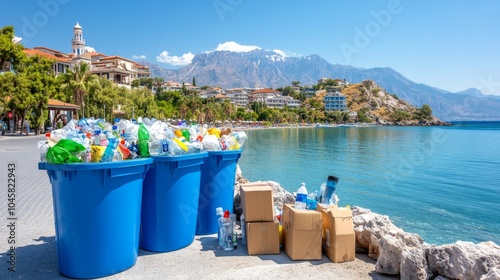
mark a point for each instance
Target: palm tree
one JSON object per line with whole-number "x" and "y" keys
{"x": 227, "y": 109}
{"x": 79, "y": 81}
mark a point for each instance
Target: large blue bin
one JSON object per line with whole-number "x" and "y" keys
{"x": 216, "y": 188}
{"x": 170, "y": 202}
{"x": 97, "y": 215}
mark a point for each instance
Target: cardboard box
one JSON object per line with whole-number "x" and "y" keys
{"x": 301, "y": 233}
{"x": 263, "y": 238}
{"x": 257, "y": 203}
{"x": 339, "y": 239}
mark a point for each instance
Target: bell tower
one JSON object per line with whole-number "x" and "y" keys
{"x": 77, "y": 43}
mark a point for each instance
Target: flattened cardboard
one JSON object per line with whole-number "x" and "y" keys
{"x": 257, "y": 202}
{"x": 301, "y": 233}
{"x": 338, "y": 237}
{"x": 263, "y": 238}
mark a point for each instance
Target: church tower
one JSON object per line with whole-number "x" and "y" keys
{"x": 78, "y": 44}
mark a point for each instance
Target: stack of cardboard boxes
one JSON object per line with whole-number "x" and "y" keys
{"x": 262, "y": 232}
{"x": 306, "y": 233}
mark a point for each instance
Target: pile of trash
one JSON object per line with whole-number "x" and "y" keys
{"x": 95, "y": 140}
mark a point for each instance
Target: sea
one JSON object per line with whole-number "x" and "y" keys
{"x": 441, "y": 182}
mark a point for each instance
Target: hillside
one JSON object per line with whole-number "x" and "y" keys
{"x": 263, "y": 68}
{"x": 372, "y": 101}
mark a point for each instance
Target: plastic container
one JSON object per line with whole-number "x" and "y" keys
{"x": 301, "y": 199}
{"x": 170, "y": 202}
{"x": 216, "y": 188}
{"x": 331, "y": 185}
{"x": 97, "y": 215}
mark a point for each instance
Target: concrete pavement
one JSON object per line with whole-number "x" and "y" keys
{"x": 36, "y": 249}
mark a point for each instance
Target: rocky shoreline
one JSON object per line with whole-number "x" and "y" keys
{"x": 401, "y": 253}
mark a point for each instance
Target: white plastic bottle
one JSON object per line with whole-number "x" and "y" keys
{"x": 301, "y": 199}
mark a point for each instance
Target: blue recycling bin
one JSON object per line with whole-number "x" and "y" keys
{"x": 170, "y": 202}
{"x": 216, "y": 188}
{"x": 97, "y": 210}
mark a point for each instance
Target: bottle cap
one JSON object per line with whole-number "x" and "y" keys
{"x": 218, "y": 210}
{"x": 226, "y": 214}
{"x": 139, "y": 120}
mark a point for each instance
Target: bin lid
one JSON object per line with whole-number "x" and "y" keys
{"x": 93, "y": 165}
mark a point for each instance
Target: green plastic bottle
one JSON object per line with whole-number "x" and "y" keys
{"x": 143, "y": 136}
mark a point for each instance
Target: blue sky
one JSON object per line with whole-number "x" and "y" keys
{"x": 452, "y": 45}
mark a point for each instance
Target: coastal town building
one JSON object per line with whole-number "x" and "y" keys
{"x": 273, "y": 98}
{"x": 62, "y": 62}
{"x": 115, "y": 68}
{"x": 334, "y": 101}
{"x": 238, "y": 96}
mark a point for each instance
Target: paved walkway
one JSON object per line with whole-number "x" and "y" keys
{"x": 36, "y": 250}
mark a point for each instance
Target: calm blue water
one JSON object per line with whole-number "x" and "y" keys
{"x": 440, "y": 182}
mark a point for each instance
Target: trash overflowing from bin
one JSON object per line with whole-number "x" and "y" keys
{"x": 95, "y": 140}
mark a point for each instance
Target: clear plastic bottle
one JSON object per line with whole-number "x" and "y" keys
{"x": 228, "y": 232}
{"x": 235, "y": 235}
{"x": 301, "y": 199}
{"x": 143, "y": 135}
{"x": 220, "y": 213}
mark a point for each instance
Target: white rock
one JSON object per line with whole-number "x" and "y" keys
{"x": 493, "y": 274}
{"x": 464, "y": 260}
{"x": 414, "y": 265}
{"x": 369, "y": 228}
{"x": 391, "y": 247}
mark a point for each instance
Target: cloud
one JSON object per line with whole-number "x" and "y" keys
{"x": 89, "y": 49}
{"x": 235, "y": 47}
{"x": 139, "y": 56}
{"x": 16, "y": 40}
{"x": 185, "y": 59}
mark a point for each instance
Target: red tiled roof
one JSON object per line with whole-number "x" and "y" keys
{"x": 46, "y": 55}
{"x": 266, "y": 90}
{"x": 116, "y": 57}
{"x": 53, "y": 103}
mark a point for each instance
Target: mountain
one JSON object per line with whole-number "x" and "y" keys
{"x": 264, "y": 68}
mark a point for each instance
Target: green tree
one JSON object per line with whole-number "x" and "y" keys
{"x": 34, "y": 84}
{"x": 9, "y": 52}
{"x": 194, "y": 82}
{"x": 426, "y": 112}
{"x": 79, "y": 81}
{"x": 295, "y": 83}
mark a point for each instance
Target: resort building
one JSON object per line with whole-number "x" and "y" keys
{"x": 238, "y": 96}
{"x": 334, "y": 101}
{"x": 273, "y": 98}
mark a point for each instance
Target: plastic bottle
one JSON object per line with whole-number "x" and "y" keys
{"x": 243, "y": 230}
{"x": 123, "y": 149}
{"x": 143, "y": 135}
{"x": 220, "y": 213}
{"x": 301, "y": 200}
{"x": 235, "y": 235}
{"x": 103, "y": 140}
{"x": 110, "y": 149}
{"x": 228, "y": 232}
